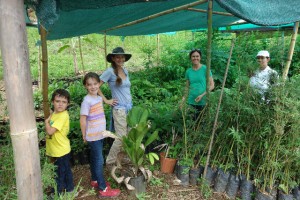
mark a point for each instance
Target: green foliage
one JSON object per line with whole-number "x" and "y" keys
{"x": 156, "y": 181}
{"x": 135, "y": 142}
{"x": 7, "y": 170}
{"x": 37, "y": 99}
{"x": 205, "y": 189}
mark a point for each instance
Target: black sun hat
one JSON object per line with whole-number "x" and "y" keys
{"x": 118, "y": 51}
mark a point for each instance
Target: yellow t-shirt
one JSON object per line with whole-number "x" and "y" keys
{"x": 58, "y": 144}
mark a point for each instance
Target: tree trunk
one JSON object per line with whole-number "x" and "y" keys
{"x": 18, "y": 87}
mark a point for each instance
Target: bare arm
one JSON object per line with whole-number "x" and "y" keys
{"x": 49, "y": 130}
{"x": 211, "y": 87}
{"x": 111, "y": 102}
{"x": 83, "y": 126}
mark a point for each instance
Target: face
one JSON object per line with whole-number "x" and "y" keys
{"x": 60, "y": 103}
{"x": 119, "y": 60}
{"x": 263, "y": 61}
{"x": 92, "y": 86}
{"x": 195, "y": 58}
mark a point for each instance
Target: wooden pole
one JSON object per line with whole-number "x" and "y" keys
{"x": 218, "y": 109}
{"x": 291, "y": 51}
{"x": 105, "y": 50}
{"x": 39, "y": 68}
{"x": 158, "y": 15}
{"x": 81, "y": 56}
{"x": 46, "y": 107}
{"x": 214, "y": 12}
{"x": 18, "y": 87}
{"x": 208, "y": 59}
{"x": 158, "y": 50}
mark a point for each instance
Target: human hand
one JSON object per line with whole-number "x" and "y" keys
{"x": 84, "y": 139}
{"x": 112, "y": 102}
{"x": 48, "y": 119}
{"x": 110, "y": 134}
{"x": 198, "y": 98}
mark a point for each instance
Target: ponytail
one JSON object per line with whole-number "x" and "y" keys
{"x": 119, "y": 80}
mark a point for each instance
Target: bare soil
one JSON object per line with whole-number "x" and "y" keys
{"x": 161, "y": 188}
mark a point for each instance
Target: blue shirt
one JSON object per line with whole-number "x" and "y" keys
{"x": 119, "y": 92}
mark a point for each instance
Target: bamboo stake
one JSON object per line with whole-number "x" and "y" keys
{"x": 105, "y": 50}
{"x": 208, "y": 61}
{"x": 158, "y": 50}
{"x": 291, "y": 51}
{"x": 80, "y": 51}
{"x": 46, "y": 107}
{"x": 214, "y": 12}
{"x": 218, "y": 109}
{"x": 39, "y": 69}
{"x": 158, "y": 15}
{"x": 18, "y": 87}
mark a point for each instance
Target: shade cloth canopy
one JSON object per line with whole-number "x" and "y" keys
{"x": 64, "y": 18}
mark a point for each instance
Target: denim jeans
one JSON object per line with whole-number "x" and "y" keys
{"x": 96, "y": 163}
{"x": 64, "y": 179}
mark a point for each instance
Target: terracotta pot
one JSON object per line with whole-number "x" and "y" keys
{"x": 167, "y": 165}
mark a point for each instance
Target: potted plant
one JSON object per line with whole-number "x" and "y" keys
{"x": 134, "y": 145}
{"x": 168, "y": 158}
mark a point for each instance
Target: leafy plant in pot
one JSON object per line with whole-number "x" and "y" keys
{"x": 168, "y": 158}
{"x": 134, "y": 144}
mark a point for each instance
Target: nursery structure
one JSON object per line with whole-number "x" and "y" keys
{"x": 61, "y": 19}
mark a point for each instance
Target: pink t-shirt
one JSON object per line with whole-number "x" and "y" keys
{"x": 92, "y": 107}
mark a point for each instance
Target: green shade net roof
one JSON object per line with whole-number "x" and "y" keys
{"x": 64, "y": 18}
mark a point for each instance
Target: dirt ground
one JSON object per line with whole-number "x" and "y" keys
{"x": 161, "y": 188}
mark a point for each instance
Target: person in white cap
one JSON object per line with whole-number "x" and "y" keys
{"x": 263, "y": 77}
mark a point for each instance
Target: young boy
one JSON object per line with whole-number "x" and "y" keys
{"x": 57, "y": 143}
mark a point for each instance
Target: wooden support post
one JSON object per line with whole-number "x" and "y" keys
{"x": 39, "y": 68}
{"x": 158, "y": 50}
{"x": 18, "y": 87}
{"x": 105, "y": 50}
{"x": 218, "y": 109}
{"x": 81, "y": 56}
{"x": 46, "y": 107}
{"x": 208, "y": 59}
{"x": 291, "y": 51}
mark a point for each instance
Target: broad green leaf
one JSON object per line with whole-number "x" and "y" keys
{"x": 63, "y": 48}
{"x": 152, "y": 137}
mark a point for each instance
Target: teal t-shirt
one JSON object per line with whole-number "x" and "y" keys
{"x": 197, "y": 79}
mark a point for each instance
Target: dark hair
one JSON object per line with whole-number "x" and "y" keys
{"x": 91, "y": 75}
{"x": 61, "y": 93}
{"x": 119, "y": 80}
{"x": 196, "y": 50}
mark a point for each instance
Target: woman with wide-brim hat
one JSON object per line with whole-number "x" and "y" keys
{"x": 118, "y": 80}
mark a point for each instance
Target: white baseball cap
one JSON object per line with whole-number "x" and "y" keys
{"x": 263, "y": 53}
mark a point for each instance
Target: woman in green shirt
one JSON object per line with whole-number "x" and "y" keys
{"x": 196, "y": 83}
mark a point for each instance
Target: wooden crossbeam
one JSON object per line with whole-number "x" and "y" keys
{"x": 213, "y": 12}
{"x": 157, "y": 15}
